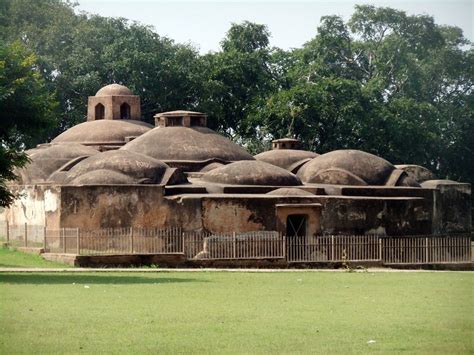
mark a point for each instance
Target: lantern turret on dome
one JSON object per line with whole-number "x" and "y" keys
{"x": 181, "y": 118}
{"x": 114, "y": 102}
{"x": 286, "y": 143}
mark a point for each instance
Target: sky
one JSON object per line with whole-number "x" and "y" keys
{"x": 291, "y": 23}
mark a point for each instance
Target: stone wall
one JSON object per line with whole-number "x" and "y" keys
{"x": 451, "y": 208}
{"x": 113, "y": 206}
{"x": 36, "y": 205}
{"x": 444, "y": 209}
{"x": 375, "y": 215}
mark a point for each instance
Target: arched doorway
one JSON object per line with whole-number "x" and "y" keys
{"x": 99, "y": 112}
{"x": 125, "y": 111}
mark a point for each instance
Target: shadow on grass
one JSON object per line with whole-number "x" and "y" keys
{"x": 57, "y": 279}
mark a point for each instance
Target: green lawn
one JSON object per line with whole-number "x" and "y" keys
{"x": 219, "y": 312}
{"x": 13, "y": 258}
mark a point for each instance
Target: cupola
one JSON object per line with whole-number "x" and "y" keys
{"x": 286, "y": 143}
{"x": 114, "y": 102}
{"x": 181, "y": 118}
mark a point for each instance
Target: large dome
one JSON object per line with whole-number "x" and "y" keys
{"x": 46, "y": 159}
{"x": 187, "y": 144}
{"x": 114, "y": 90}
{"x": 117, "y": 167}
{"x": 103, "y": 132}
{"x": 251, "y": 173}
{"x": 289, "y": 159}
{"x": 353, "y": 167}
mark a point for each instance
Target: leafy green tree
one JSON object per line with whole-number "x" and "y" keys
{"x": 236, "y": 77}
{"x": 26, "y": 110}
{"x": 395, "y": 85}
{"x": 323, "y": 115}
{"x": 80, "y": 53}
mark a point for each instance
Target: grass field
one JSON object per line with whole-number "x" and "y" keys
{"x": 12, "y": 258}
{"x": 317, "y": 312}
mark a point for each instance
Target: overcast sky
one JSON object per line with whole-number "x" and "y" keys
{"x": 291, "y": 23}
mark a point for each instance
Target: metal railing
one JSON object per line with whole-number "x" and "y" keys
{"x": 239, "y": 246}
{"x": 24, "y": 235}
{"x": 426, "y": 250}
{"x": 333, "y": 248}
{"x": 251, "y": 245}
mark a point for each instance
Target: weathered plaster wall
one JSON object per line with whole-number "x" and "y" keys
{"x": 36, "y": 205}
{"x": 145, "y": 206}
{"x": 340, "y": 214}
{"x": 375, "y": 215}
{"x": 219, "y": 213}
{"x": 113, "y": 206}
{"x": 452, "y": 208}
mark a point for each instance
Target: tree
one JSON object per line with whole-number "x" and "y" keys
{"x": 80, "y": 53}
{"x": 326, "y": 115}
{"x": 395, "y": 85}
{"x": 26, "y": 110}
{"x": 236, "y": 77}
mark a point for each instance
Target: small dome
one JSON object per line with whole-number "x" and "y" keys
{"x": 187, "y": 144}
{"x": 251, "y": 173}
{"x": 103, "y": 132}
{"x": 46, "y": 159}
{"x": 417, "y": 172}
{"x": 211, "y": 166}
{"x": 103, "y": 177}
{"x": 289, "y": 159}
{"x": 353, "y": 167}
{"x": 286, "y": 191}
{"x": 114, "y": 90}
{"x": 108, "y": 168}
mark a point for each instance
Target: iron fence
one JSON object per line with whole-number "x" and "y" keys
{"x": 250, "y": 245}
{"x": 333, "y": 248}
{"x": 24, "y": 235}
{"x": 426, "y": 250}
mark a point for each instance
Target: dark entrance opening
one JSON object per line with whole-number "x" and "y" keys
{"x": 175, "y": 121}
{"x": 125, "y": 111}
{"x": 99, "y": 112}
{"x": 195, "y": 121}
{"x": 296, "y": 237}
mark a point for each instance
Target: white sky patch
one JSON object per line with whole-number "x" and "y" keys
{"x": 204, "y": 23}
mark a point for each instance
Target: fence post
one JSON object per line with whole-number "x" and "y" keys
{"x": 131, "y": 240}
{"x": 26, "y": 235}
{"x": 284, "y": 246}
{"x": 380, "y": 249}
{"x": 233, "y": 245}
{"x": 64, "y": 240}
{"x": 332, "y": 248}
{"x": 44, "y": 238}
{"x": 78, "y": 242}
{"x": 426, "y": 250}
{"x": 183, "y": 249}
{"x": 8, "y": 233}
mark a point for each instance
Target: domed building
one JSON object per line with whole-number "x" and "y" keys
{"x": 116, "y": 171}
